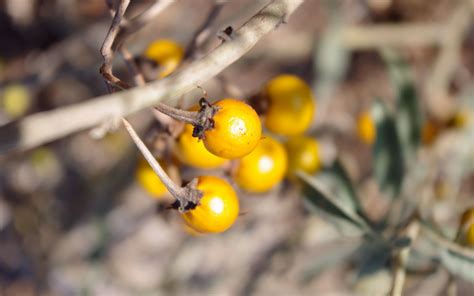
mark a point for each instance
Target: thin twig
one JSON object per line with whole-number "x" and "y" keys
{"x": 106, "y": 49}
{"x": 43, "y": 127}
{"x": 129, "y": 27}
{"x": 446, "y": 243}
{"x": 204, "y": 28}
{"x": 411, "y": 232}
{"x": 170, "y": 185}
{"x": 187, "y": 195}
{"x": 132, "y": 67}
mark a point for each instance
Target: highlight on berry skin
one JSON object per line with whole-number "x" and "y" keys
{"x": 218, "y": 208}
{"x": 264, "y": 168}
{"x": 236, "y": 132}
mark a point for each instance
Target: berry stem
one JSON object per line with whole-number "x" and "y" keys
{"x": 187, "y": 195}
{"x": 202, "y": 120}
{"x": 178, "y": 114}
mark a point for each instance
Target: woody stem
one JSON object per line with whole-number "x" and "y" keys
{"x": 178, "y": 114}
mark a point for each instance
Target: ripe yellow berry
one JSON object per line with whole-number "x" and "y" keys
{"x": 467, "y": 217}
{"x": 470, "y": 236}
{"x": 290, "y": 105}
{"x": 303, "y": 154}
{"x": 366, "y": 128}
{"x": 15, "y": 100}
{"x": 465, "y": 234}
{"x": 459, "y": 120}
{"x": 218, "y": 208}
{"x": 191, "y": 151}
{"x": 166, "y": 53}
{"x": 237, "y": 130}
{"x": 263, "y": 168}
{"x": 149, "y": 181}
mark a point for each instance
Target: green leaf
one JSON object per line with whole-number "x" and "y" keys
{"x": 408, "y": 120}
{"x": 458, "y": 259}
{"x": 318, "y": 199}
{"x": 345, "y": 190}
{"x": 408, "y": 116}
{"x": 388, "y": 157}
{"x": 373, "y": 256}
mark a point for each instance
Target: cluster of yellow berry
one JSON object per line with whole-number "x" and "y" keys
{"x": 258, "y": 162}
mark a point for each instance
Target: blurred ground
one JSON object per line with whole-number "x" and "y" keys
{"x": 73, "y": 220}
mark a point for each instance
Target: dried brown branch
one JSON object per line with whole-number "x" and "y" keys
{"x": 43, "y": 127}
{"x": 107, "y": 51}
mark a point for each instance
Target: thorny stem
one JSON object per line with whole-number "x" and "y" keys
{"x": 187, "y": 196}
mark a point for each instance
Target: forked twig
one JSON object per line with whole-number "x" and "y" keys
{"x": 107, "y": 51}
{"x": 127, "y": 28}
{"x": 204, "y": 28}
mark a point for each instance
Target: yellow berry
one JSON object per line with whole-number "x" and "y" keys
{"x": 191, "y": 151}
{"x": 237, "y": 130}
{"x": 218, "y": 208}
{"x": 470, "y": 236}
{"x": 459, "y": 120}
{"x": 148, "y": 180}
{"x": 366, "y": 128}
{"x": 303, "y": 154}
{"x": 290, "y": 105}
{"x": 166, "y": 53}
{"x": 263, "y": 168}
{"x": 16, "y": 100}
{"x": 467, "y": 217}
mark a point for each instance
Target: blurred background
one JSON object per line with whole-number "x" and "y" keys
{"x": 74, "y": 220}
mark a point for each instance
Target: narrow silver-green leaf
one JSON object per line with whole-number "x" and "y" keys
{"x": 344, "y": 189}
{"x": 408, "y": 115}
{"x": 316, "y": 195}
{"x": 388, "y": 156}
